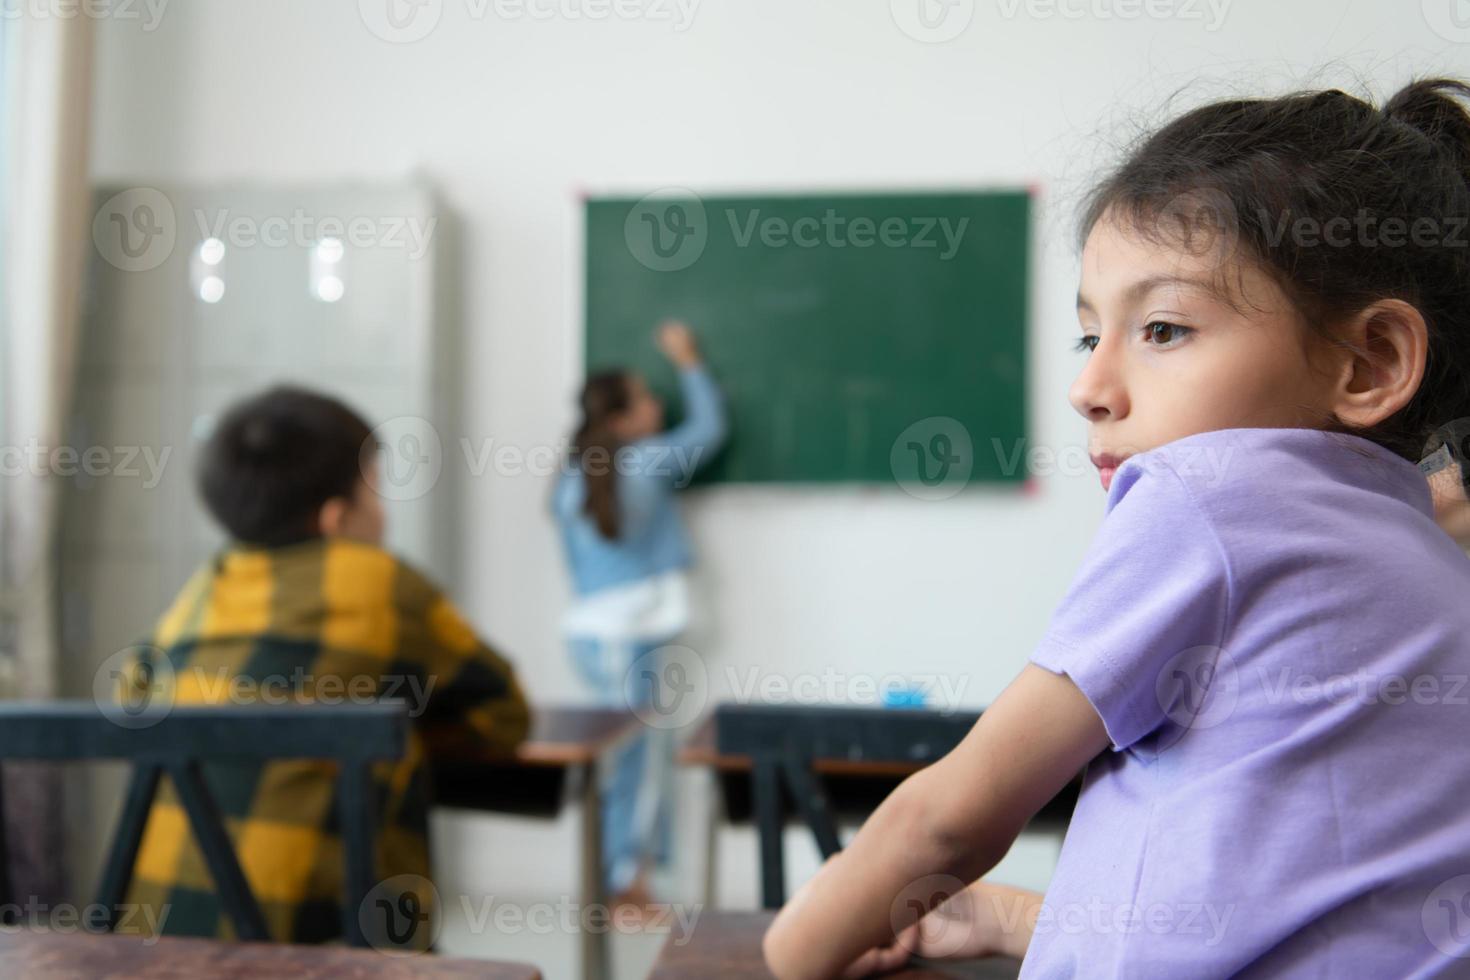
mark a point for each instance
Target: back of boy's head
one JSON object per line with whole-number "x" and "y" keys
{"x": 1340, "y": 202}
{"x": 275, "y": 458}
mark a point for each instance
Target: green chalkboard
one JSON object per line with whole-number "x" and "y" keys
{"x": 858, "y": 337}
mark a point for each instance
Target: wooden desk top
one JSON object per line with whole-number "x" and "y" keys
{"x": 726, "y": 945}
{"x": 700, "y": 750}
{"x": 561, "y": 736}
{"x": 86, "y": 954}
{"x": 565, "y": 735}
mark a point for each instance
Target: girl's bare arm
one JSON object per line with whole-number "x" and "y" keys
{"x": 949, "y": 823}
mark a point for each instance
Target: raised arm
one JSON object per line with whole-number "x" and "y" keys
{"x": 955, "y": 819}
{"x": 699, "y": 436}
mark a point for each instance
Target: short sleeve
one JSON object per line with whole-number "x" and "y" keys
{"x": 1154, "y": 587}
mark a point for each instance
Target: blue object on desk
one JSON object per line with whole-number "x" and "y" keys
{"x": 904, "y": 697}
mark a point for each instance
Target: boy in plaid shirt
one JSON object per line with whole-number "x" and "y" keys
{"x": 306, "y": 605}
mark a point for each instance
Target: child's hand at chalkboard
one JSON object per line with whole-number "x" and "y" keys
{"x": 676, "y": 340}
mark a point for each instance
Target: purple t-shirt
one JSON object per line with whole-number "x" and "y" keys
{"x": 1276, "y": 636}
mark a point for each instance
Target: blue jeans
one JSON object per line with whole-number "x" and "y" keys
{"x": 635, "y": 789}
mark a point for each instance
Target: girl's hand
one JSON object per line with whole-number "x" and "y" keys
{"x": 1451, "y": 508}
{"x": 983, "y": 920}
{"x": 886, "y": 959}
{"x": 676, "y": 340}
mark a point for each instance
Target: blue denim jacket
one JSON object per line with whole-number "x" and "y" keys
{"x": 651, "y": 539}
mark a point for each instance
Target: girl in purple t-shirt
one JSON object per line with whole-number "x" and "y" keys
{"x": 1263, "y": 664}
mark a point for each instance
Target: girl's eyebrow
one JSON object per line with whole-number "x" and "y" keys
{"x": 1143, "y": 287}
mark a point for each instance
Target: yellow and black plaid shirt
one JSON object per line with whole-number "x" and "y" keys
{"x": 320, "y": 619}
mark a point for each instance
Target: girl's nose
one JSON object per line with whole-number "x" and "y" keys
{"x": 1099, "y": 393}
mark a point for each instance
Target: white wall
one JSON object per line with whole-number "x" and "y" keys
{"x": 512, "y": 117}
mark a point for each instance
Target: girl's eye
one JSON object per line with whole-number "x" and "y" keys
{"x": 1087, "y": 342}
{"x": 1160, "y": 333}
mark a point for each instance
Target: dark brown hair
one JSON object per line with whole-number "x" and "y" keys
{"x": 275, "y": 458}
{"x": 1253, "y": 173}
{"x": 605, "y": 396}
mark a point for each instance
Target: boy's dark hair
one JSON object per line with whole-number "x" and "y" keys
{"x": 275, "y": 458}
{"x": 1252, "y": 174}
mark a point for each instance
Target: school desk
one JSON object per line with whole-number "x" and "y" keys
{"x": 558, "y": 760}
{"x": 855, "y": 788}
{"x": 87, "y": 954}
{"x": 727, "y": 945}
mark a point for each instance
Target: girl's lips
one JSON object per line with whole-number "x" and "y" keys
{"x": 1107, "y": 464}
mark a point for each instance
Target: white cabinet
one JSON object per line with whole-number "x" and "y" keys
{"x": 163, "y": 353}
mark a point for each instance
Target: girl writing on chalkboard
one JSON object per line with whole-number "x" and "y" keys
{"x": 1262, "y": 661}
{"x": 628, "y": 555}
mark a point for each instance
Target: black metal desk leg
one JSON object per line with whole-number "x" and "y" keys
{"x": 355, "y": 807}
{"x": 595, "y": 965}
{"x": 766, "y": 790}
{"x": 219, "y": 854}
{"x": 118, "y": 874}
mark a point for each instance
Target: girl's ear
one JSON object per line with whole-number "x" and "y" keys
{"x": 1386, "y": 343}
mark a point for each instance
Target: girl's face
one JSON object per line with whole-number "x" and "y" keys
{"x": 1171, "y": 357}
